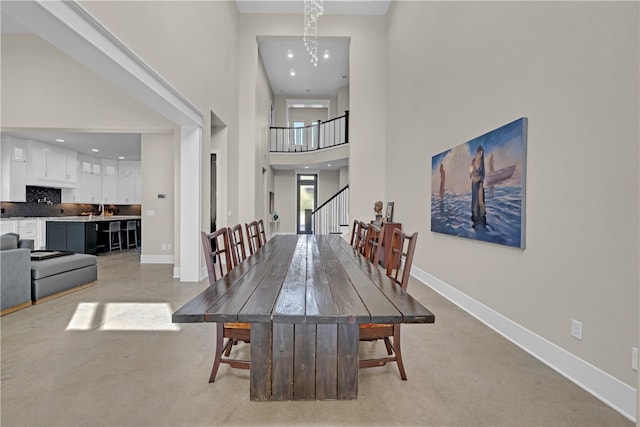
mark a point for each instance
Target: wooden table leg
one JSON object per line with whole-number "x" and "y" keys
{"x": 304, "y": 361}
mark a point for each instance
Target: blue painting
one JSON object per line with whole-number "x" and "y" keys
{"x": 478, "y": 188}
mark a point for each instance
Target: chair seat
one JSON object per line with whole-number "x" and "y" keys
{"x": 376, "y": 325}
{"x": 237, "y": 325}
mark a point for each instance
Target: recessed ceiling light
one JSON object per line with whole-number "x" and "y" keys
{"x": 306, "y": 167}
{"x": 289, "y": 54}
{"x": 120, "y": 158}
{"x": 326, "y": 54}
{"x": 292, "y": 72}
{"x": 329, "y": 164}
{"x": 95, "y": 150}
{"x": 59, "y": 140}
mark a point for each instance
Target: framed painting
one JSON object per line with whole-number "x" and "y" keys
{"x": 478, "y": 188}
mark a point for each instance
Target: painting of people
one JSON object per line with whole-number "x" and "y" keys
{"x": 478, "y": 188}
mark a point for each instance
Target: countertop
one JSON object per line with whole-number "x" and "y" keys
{"x": 82, "y": 218}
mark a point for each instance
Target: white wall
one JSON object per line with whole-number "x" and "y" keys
{"x": 198, "y": 59}
{"x": 45, "y": 88}
{"x": 342, "y": 100}
{"x": 572, "y": 69}
{"x": 158, "y": 164}
{"x": 285, "y": 199}
{"x": 368, "y": 96}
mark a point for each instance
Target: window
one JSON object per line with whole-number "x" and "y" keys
{"x": 298, "y": 133}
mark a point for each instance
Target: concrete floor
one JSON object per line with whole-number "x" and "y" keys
{"x": 109, "y": 356}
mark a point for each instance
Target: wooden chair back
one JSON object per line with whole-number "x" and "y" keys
{"x": 373, "y": 243}
{"x": 401, "y": 257}
{"x": 354, "y": 232}
{"x": 253, "y": 236}
{"x": 236, "y": 240}
{"x": 262, "y": 233}
{"x": 361, "y": 237}
{"x": 217, "y": 253}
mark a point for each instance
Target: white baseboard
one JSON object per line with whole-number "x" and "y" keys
{"x": 156, "y": 259}
{"x": 603, "y": 386}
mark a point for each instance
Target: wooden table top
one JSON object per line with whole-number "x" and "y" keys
{"x": 304, "y": 279}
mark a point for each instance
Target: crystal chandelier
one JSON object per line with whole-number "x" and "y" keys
{"x": 312, "y": 10}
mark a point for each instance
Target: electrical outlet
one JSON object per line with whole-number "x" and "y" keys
{"x": 634, "y": 358}
{"x": 164, "y": 246}
{"x": 576, "y": 329}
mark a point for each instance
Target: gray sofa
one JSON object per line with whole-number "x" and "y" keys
{"x": 15, "y": 273}
{"x": 23, "y": 281}
{"x": 56, "y": 276}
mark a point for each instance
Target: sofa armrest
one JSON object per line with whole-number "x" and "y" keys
{"x": 26, "y": 244}
{"x": 15, "y": 277}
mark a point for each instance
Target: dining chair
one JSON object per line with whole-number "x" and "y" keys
{"x": 218, "y": 251}
{"x": 354, "y": 232}
{"x": 373, "y": 243}
{"x": 262, "y": 233}
{"x": 361, "y": 237}
{"x": 400, "y": 261}
{"x": 236, "y": 239}
{"x": 253, "y": 236}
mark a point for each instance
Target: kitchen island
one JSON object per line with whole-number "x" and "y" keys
{"x": 82, "y": 234}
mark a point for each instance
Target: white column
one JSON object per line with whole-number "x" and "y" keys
{"x": 190, "y": 209}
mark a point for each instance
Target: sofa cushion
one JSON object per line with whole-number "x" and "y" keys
{"x": 9, "y": 241}
{"x": 52, "y": 266}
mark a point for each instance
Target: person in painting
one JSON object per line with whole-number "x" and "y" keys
{"x": 442, "y": 174}
{"x": 476, "y": 173}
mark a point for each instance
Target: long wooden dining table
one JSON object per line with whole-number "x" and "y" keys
{"x": 305, "y": 297}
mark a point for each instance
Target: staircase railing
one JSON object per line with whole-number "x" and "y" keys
{"x": 313, "y": 137}
{"x": 332, "y": 214}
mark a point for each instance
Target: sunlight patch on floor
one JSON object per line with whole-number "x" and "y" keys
{"x": 123, "y": 316}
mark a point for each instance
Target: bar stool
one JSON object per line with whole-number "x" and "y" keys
{"x": 132, "y": 226}
{"x": 114, "y": 228}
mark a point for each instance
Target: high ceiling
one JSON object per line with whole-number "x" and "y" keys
{"x": 283, "y": 56}
{"x": 331, "y": 74}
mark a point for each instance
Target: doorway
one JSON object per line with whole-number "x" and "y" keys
{"x": 213, "y": 196}
{"x": 307, "y": 191}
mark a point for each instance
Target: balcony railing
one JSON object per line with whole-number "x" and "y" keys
{"x": 313, "y": 137}
{"x": 332, "y": 214}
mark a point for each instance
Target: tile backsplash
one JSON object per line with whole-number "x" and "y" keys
{"x": 45, "y": 201}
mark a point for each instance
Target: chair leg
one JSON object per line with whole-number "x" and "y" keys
{"x": 398, "y": 351}
{"x": 227, "y": 348}
{"x": 219, "y": 350}
{"x": 387, "y": 343}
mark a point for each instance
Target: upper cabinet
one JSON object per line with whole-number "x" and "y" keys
{"x": 129, "y": 182}
{"x": 13, "y": 169}
{"x": 51, "y": 166}
{"x": 109, "y": 181}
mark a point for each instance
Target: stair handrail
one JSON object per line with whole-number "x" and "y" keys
{"x": 333, "y": 214}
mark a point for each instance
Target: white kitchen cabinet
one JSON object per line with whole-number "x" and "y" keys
{"x": 109, "y": 181}
{"x": 48, "y": 165}
{"x": 13, "y": 167}
{"x": 28, "y": 229}
{"x": 129, "y": 183}
{"x": 90, "y": 179}
{"x": 8, "y": 226}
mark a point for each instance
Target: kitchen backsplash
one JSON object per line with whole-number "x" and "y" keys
{"x": 44, "y": 201}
